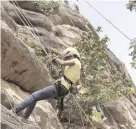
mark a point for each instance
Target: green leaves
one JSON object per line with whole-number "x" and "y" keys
{"x": 98, "y": 82}
{"x": 47, "y": 7}
{"x": 131, "y": 5}
{"x": 99, "y": 29}
{"x": 133, "y": 53}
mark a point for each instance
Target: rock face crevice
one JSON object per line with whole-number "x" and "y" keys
{"x": 43, "y": 115}
{"x": 17, "y": 59}
{"x": 24, "y": 66}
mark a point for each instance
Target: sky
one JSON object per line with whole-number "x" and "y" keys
{"x": 120, "y": 16}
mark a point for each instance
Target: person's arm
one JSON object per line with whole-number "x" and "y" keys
{"x": 79, "y": 84}
{"x": 75, "y": 88}
{"x": 56, "y": 52}
{"x": 65, "y": 63}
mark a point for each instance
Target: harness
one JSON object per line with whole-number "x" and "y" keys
{"x": 62, "y": 90}
{"x": 67, "y": 80}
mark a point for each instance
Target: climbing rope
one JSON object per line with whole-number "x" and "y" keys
{"x": 35, "y": 34}
{"x": 109, "y": 21}
{"x": 117, "y": 30}
{"x": 82, "y": 110}
{"x": 30, "y": 25}
{"x": 80, "y": 113}
{"x": 112, "y": 117}
{"x": 20, "y": 123}
{"x": 26, "y": 19}
{"x": 82, "y": 120}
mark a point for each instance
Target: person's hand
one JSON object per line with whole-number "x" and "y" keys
{"x": 54, "y": 59}
{"x": 79, "y": 86}
{"x": 74, "y": 90}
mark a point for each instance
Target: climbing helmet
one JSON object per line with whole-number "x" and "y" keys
{"x": 70, "y": 51}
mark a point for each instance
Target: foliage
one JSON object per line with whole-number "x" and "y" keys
{"x": 94, "y": 68}
{"x": 133, "y": 53}
{"x": 99, "y": 29}
{"x": 38, "y": 49}
{"x": 131, "y": 5}
{"x": 30, "y": 44}
{"x": 47, "y": 7}
{"x": 66, "y": 1}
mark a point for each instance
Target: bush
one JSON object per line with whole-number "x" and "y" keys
{"x": 131, "y": 5}
{"x": 97, "y": 85}
{"x": 133, "y": 53}
{"x": 46, "y": 7}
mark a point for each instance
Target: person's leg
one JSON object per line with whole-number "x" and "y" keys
{"x": 27, "y": 102}
{"x": 28, "y": 110}
{"x": 60, "y": 107}
{"x": 46, "y": 93}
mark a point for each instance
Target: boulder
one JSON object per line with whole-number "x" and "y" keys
{"x": 20, "y": 65}
{"x": 41, "y": 26}
{"x": 9, "y": 21}
{"x": 64, "y": 15}
{"x": 43, "y": 115}
{"x": 52, "y": 41}
{"x": 69, "y": 17}
{"x": 132, "y": 98}
{"x": 117, "y": 65}
{"x": 36, "y": 19}
{"x": 11, "y": 121}
{"x": 27, "y": 5}
{"x": 23, "y": 52}
{"x": 123, "y": 112}
{"x": 68, "y": 34}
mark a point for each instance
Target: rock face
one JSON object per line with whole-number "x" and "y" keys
{"x": 10, "y": 121}
{"x": 117, "y": 65}
{"x": 18, "y": 60}
{"x": 43, "y": 115}
{"x": 24, "y": 66}
{"x": 123, "y": 112}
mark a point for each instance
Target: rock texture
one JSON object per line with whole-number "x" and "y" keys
{"x": 123, "y": 112}
{"x": 43, "y": 114}
{"x": 19, "y": 60}
{"x": 24, "y": 54}
{"x": 10, "y": 121}
{"x": 20, "y": 64}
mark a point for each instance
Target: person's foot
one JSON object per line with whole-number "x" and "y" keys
{"x": 104, "y": 118}
{"x": 12, "y": 110}
{"x": 27, "y": 120}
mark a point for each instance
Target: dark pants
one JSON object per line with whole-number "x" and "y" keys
{"x": 53, "y": 91}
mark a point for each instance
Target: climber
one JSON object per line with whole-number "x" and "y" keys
{"x": 71, "y": 61}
